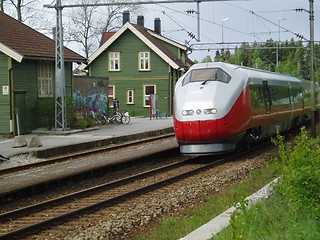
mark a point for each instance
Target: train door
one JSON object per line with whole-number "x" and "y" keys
{"x": 267, "y": 96}
{"x": 291, "y": 100}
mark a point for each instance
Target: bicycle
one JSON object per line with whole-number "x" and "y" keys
{"x": 98, "y": 118}
{"x": 125, "y": 119}
{"x": 118, "y": 117}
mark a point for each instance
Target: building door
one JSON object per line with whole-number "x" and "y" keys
{"x": 20, "y": 112}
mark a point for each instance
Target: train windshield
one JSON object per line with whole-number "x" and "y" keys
{"x": 207, "y": 74}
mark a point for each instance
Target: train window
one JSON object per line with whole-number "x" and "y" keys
{"x": 207, "y": 74}
{"x": 257, "y": 99}
{"x": 267, "y": 96}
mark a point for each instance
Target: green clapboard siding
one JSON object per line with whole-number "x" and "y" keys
{"x": 25, "y": 94}
{"x": 4, "y": 99}
{"x": 130, "y": 78}
{"x": 35, "y": 112}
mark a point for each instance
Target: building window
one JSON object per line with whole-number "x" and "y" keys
{"x": 130, "y": 96}
{"x": 111, "y": 95}
{"x": 45, "y": 78}
{"x": 144, "y": 61}
{"x": 114, "y": 61}
{"x": 147, "y": 90}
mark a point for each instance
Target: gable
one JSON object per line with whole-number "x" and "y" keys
{"x": 129, "y": 46}
{"x": 141, "y": 33}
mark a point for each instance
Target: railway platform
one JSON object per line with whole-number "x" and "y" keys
{"x": 57, "y": 143}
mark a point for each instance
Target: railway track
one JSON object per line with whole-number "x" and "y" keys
{"x": 89, "y": 165}
{"x": 24, "y": 222}
{"x": 77, "y": 155}
{"x": 29, "y": 220}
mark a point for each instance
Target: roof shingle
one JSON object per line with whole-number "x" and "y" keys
{"x": 29, "y": 42}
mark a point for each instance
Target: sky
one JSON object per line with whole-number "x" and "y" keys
{"x": 230, "y": 22}
{"x": 254, "y": 20}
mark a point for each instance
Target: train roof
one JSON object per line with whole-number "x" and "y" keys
{"x": 251, "y": 73}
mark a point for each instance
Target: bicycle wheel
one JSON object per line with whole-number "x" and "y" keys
{"x": 125, "y": 119}
{"x": 117, "y": 119}
{"x": 103, "y": 119}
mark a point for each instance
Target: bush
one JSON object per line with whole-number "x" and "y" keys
{"x": 90, "y": 122}
{"x": 299, "y": 166}
{"x": 81, "y": 124}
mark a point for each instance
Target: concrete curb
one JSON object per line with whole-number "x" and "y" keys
{"x": 61, "y": 150}
{"x": 222, "y": 221}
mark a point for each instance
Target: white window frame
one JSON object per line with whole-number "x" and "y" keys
{"x": 111, "y": 96}
{"x": 130, "y": 98}
{"x": 45, "y": 79}
{"x": 114, "y": 61}
{"x": 144, "y": 61}
{"x": 147, "y": 96}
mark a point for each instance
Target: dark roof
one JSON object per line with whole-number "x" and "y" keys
{"x": 165, "y": 50}
{"x": 153, "y": 40}
{"x": 106, "y": 36}
{"x": 29, "y": 42}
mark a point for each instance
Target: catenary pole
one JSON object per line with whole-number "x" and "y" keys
{"x": 60, "y": 93}
{"x": 312, "y": 77}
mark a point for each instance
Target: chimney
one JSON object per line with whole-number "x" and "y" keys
{"x": 157, "y": 25}
{"x": 125, "y": 17}
{"x": 140, "y": 21}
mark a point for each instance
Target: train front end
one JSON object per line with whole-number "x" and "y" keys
{"x": 210, "y": 111}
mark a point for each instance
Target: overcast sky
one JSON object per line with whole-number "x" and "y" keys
{"x": 239, "y": 24}
{"x": 252, "y": 20}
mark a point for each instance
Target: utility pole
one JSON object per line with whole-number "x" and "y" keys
{"x": 279, "y": 41}
{"x": 312, "y": 78}
{"x": 60, "y": 93}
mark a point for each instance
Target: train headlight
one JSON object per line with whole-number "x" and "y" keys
{"x": 210, "y": 111}
{"x": 187, "y": 112}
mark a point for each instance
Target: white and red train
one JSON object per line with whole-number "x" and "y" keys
{"x": 219, "y": 107}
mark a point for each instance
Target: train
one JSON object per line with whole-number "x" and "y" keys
{"x": 221, "y": 107}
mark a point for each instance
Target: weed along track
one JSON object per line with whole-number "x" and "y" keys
{"x": 100, "y": 205}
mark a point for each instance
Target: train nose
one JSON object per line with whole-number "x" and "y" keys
{"x": 195, "y": 131}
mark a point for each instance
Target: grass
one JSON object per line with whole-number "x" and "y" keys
{"x": 294, "y": 211}
{"x": 291, "y": 213}
{"x": 186, "y": 221}
{"x": 272, "y": 219}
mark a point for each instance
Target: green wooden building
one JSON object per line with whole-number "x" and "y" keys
{"x": 27, "y": 77}
{"x": 139, "y": 62}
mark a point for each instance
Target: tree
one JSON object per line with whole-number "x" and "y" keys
{"x": 22, "y": 10}
{"x": 21, "y": 6}
{"x": 83, "y": 28}
{"x": 207, "y": 59}
{"x": 88, "y": 23}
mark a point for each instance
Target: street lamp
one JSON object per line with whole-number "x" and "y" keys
{"x": 223, "y": 20}
{"x": 280, "y": 19}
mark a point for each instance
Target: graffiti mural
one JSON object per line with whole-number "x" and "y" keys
{"x": 90, "y": 96}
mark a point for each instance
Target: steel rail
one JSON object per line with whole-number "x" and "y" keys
{"x": 64, "y": 217}
{"x": 32, "y": 229}
{"x": 59, "y": 159}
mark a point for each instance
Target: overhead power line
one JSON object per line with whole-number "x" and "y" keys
{"x": 134, "y": 3}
